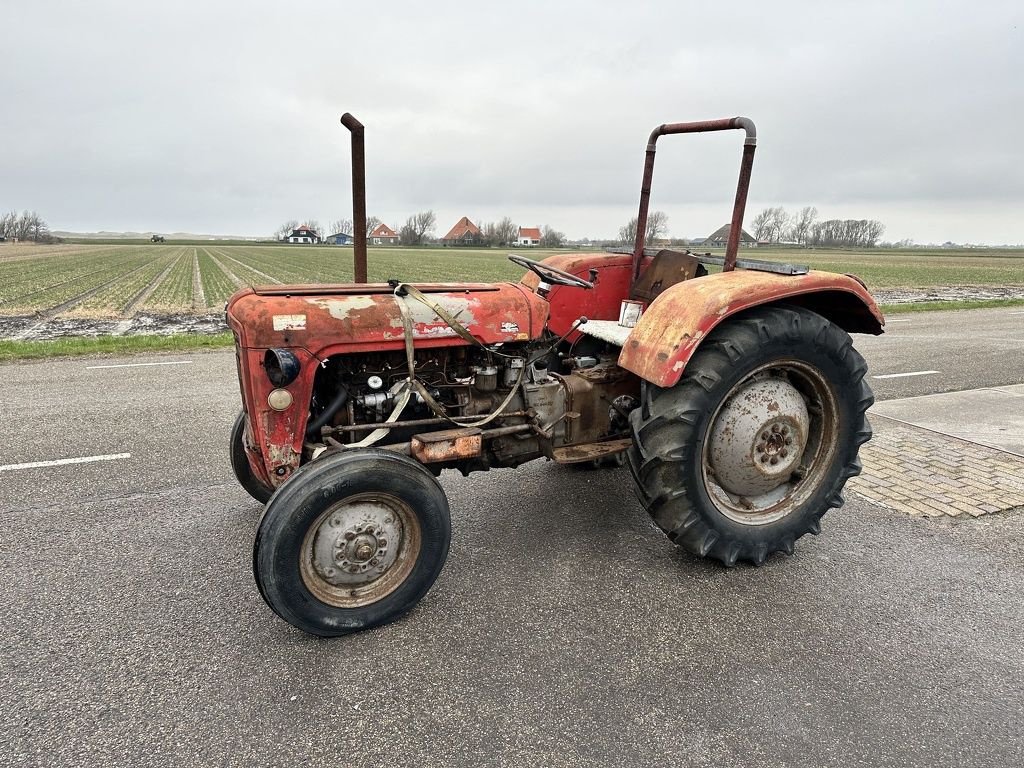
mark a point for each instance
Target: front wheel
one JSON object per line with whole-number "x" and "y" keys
{"x": 755, "y": 443}
{"x": 352, "y": 541}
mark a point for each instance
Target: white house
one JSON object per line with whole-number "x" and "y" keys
{"x": 528, "y": 237}
{"x": 302, "y": 234}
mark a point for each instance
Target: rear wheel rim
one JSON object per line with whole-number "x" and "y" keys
{"x": 360, "y": 550}
{"x": 770, "y": 443}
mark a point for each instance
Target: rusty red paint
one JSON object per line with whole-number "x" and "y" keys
{"x": 674, "y": 325}
{"x": 349, "y": 319}
{"x": 598, "y": 303}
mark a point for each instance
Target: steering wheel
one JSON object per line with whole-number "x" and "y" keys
{"x": 549, "y": 274}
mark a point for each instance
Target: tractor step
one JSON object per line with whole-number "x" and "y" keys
{"x": 606, "y": 330}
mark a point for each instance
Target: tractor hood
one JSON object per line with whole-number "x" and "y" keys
{"x": 327, "y": 319}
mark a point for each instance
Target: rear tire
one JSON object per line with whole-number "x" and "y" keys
{"x": 755, "y": 442}
{"x": 352, "y": 541}
{"x": 240, "y": 464}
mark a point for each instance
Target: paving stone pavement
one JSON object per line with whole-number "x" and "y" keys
{"x": 926, "y": 474}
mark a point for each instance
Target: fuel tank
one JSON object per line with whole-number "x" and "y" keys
{"x": 335, "y": 319}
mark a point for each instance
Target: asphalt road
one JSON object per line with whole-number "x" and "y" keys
{"x": 564, "y": 629}
{"x": 969, "y": 349}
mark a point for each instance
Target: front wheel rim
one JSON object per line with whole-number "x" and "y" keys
{"x": 360, "y": 550}
{"x": 770, "y": 443}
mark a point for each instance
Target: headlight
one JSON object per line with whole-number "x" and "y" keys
{"x": 282, "y": 366}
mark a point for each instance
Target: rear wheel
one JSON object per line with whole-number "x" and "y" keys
{"x": 755, "y": 443}
{"x": 240, "y": 464}
{"x": 352, "y": 541}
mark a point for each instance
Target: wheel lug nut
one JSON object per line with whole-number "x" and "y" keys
{"x": 349, "y": 535}
{"x": 783, "y": 453}
{"x": 381, "y": 543}
{"x": 789, "y": 441}
{"x": 776, "y": 428}
{"x": 774, "y": 460}
{"x": 764, "y": 435}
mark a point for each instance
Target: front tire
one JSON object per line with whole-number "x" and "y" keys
{"x": 352, "y": 541}
{"x": 757, "y": 439}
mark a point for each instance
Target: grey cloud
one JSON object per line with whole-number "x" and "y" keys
{"x": 222, "y": 116}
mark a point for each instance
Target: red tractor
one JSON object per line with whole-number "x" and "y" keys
{"x": 736, "y": 397}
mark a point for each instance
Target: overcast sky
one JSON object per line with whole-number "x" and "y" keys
{"x": 220, "y": 117}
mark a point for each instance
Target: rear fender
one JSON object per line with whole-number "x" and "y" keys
{"x": 673, "y": 326}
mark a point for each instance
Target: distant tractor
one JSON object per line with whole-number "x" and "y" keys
{"x": 736, "y": 397}
{"x": 156, "y": 239}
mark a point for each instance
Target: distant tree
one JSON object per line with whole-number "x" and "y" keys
{"x": 315, "y": 226}
{"x": 779, "y": 224}
{"x": 372, "y": 222}
{"x": 762, "y": 225}
{"x": 849, "y": 233}
{"x": 771, "y": 224}
{"x": 8, "y": 224}
{"x": 551, "y": 238}
{"x": 657, "y": 227}
{"x": 500, "y": 233}
{"x": 341, "y": 225}
{"x": 28, "y": 225}
{"x": 285, "y": 229}
{"x": 800, "y": 228}
{"x": 416, "y": 228}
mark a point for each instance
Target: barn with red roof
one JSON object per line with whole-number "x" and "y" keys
{"x": 465, "y": 232}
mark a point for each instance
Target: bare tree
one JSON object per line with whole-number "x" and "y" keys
{"x": 771, "y": 224}
{"x": 506, "y": 231}
{"x": 802, "y": 222}
{"x": 762, "y": 225}
{"x": 372, "y": 222}
{"x": 8, "y": 224}
{"x": 779, "y": 224}
{"x": 657, "y": 227}
{"x": 500, "y": 233}
{"x": 285, "y": 229}
{"x": 314, "y": 225}
{"x": 341, "y": 225}
{"x": 855, "y": 233}
{"x": 416, "y": 228}
{"x": 551, "y": 237}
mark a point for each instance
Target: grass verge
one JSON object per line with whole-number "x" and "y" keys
{"x": 932, "y": 306}
{"x": 110, "y": 345}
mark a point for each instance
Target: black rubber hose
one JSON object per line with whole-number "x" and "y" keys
{"x": 313, "y": 429}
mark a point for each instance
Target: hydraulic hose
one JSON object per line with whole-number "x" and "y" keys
{"x": 314, "y": 427}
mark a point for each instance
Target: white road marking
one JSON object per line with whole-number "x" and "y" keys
{"x": 1017, "y": 313}
{"x": 136, "y": 365}
{"x": 897, "y": 321}
{"x": 62, "y": 462}
{"x": 902, "y": 375}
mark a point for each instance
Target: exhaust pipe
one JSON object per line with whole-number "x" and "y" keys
{"x": 358, "y": 196}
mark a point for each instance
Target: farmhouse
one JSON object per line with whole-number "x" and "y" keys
{"x": 529, "y": 237}
{"x": 721, "y": 236}
{"x": 302, "y": 234}
{"x": 382, "y": 235}
{"x": 339, "y": 238}
{"x": 465, "y": 232}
